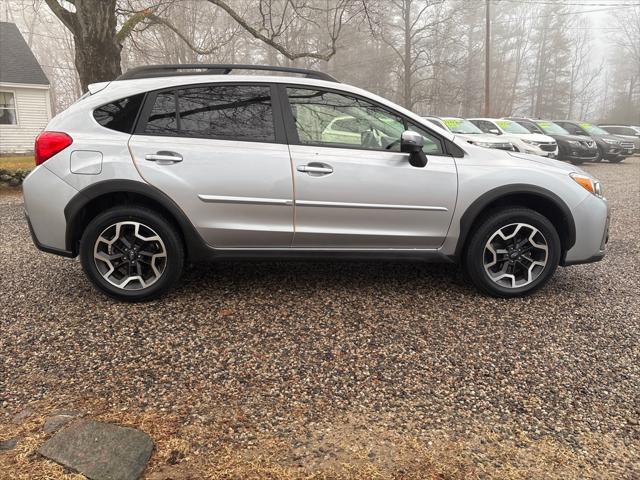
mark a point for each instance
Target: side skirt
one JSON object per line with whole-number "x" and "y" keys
{"x": 423, "y": 255}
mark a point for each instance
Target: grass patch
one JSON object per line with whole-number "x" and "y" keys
{"x": 22, "y": 162}
{"x": 181, "y": 452}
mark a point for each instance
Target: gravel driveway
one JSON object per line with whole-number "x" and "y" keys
{"x": 343, "y": 369}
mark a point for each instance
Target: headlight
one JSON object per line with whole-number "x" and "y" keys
{"x": 588, "y": 183}
{"x": 575, "y": 143}
{"x": 483, "y": 144}
{"x": 611, "y": 141}
{"x": 531, "y": 142}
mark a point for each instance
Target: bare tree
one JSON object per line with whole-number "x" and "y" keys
{"x": 424, "y": 54}
{"x": 403, "y": 26}
{"x": 98, "y": 41}
{"x": 625, "y": 63}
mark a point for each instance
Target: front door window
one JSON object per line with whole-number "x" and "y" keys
{"x": 332, "y": 119}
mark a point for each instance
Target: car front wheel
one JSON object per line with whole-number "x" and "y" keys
{"x": 512, "y": 252}
{"x": 131, "y": 253}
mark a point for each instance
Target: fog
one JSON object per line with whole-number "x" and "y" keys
{"x": 548, "y": 58}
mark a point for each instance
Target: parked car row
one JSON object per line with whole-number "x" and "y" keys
{"x": 571, "y": 141}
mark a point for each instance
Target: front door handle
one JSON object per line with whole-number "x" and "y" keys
{"x": 315, "y": 168}
{"x": 164, "y": 158}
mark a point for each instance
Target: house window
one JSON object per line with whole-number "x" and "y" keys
{"x": 8, "y": 114}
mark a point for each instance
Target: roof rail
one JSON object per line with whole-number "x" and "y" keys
{"x": 151, "y": 71}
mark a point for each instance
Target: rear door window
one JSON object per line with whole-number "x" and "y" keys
{"x": 163, "y": 119}
{"x": 227, "y": 112}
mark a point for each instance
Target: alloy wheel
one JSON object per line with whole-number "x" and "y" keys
{"x": 130, "y": 255}
{"x": 515, "y": 255}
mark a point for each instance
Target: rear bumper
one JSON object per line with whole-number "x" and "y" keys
{"x": 45, "y": 196}
{"x": 44, "y": 248}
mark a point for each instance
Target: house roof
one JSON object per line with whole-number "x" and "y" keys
{"x": 17, "y": 62}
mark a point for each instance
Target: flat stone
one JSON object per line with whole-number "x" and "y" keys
{"x": 51, "y": 424}
{"x": 22, "y": 415}
{"x": 8, "y": 444}
{"x": 100, "y": 451}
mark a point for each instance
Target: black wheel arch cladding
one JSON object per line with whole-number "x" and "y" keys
{"x": 76, "y": 214}
{"x": 517, "y": 192}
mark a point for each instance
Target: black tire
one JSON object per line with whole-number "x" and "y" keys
{"x": 171, "y": 242}
{"x": 617, "y": 159}
{"x": 577, "y": 162}
{"x": 600, "y": 156}
{"x": 474, "y": 254}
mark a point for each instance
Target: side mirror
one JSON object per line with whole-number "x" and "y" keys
{"x": 495, "y": 131}
{"x": 412, "y": 143}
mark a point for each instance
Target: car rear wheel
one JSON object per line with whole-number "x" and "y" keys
{"x": 512, "y": 252}
{"x": 131, "y": 253}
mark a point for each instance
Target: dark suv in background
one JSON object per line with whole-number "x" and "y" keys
{"x": 626, "y": 132}
{"x": 610, "y": 147}
{"x": 571, "y": 148}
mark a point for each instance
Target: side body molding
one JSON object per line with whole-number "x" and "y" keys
{"x": 75, "y": 209}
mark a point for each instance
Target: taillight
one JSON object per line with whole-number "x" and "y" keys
{"x": 50, "y": 143}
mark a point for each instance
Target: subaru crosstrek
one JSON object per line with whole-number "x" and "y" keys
{"x": 177, "y": 163}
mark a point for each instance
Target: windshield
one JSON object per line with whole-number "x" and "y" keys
{"x": 551, "y": 128}
{"x": 592, "y": 129}
{"x": 511, "y": 127}
{"x": 459, "y": 125}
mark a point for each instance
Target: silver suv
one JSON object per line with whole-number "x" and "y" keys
{"x": 191, "y": 162}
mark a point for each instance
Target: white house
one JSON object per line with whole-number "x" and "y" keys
{"x": 25, "y": 102}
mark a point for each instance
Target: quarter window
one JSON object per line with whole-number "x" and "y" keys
{"x": 119, "y": 115}
{"x": 8, "y": 114}
{"x": 234, "y": 112}
{"x": 334, "y": 119}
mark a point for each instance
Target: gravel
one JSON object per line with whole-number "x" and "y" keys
{"x": 294, "y": 351}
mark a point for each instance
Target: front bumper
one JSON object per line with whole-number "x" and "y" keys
{"x": 628, "y": 152}
{"x": 592, "y": 219}
{"x": 578, "y": 153}
{"x": 612, "y": 152}
{"x": 581, "y": 157}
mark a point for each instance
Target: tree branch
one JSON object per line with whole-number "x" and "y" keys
{"x": 65, "y": 16}
{"x": 131, "y": 23}
{"x": 161, "y": 21}
{"x": 269, "y": 40}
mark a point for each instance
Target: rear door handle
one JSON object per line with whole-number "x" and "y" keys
{"x": 315, "y": 168}
{"x": 164, "y": 158}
